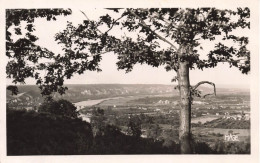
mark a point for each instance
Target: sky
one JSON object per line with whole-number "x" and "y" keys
{"x": 141, "y": 74}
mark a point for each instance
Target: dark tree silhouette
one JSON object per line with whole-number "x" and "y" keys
{"x": 98, "y": 120}
{"x": 23, "y": 53}
{"x": 134, "y": 126}
{"x": 154, "y": 131}
{"x": 165, "y": 36}
{"x": 13, "y": 89}
{"x": 62, "y": 108}
{"x": 34, "y": 133}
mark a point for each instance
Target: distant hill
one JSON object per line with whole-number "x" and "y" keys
{"x": 94, "y": 91}
{"x": 81, "y": 92}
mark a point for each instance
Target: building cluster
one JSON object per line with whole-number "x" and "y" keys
{"x": 163, "y": 102}
{"x": 200, "y": 103}
{"x": 242, "y": 116}
{"x": 27, "y": 103}
{"x": 142, "y": 108}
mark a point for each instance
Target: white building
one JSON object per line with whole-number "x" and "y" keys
{"x": 247, "y": 117}
{"x": 85, "y": 117}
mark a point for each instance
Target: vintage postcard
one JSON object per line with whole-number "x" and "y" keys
{"x": 142, "y": 81}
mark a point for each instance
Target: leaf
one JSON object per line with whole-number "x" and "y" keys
{"x": 18, "y": 31}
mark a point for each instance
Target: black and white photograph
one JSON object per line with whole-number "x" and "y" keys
{"x": 133, "y": 81}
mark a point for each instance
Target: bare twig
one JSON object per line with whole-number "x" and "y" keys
{"x": 205, "y": 82}
{"x": 234, "y": 60}
{"x": 90, "y": 20}
{"x": 114, "y": 23}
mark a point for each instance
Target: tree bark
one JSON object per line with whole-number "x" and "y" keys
{"x": 185, "y": 110}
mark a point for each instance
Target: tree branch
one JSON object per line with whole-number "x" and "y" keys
{"x": 158, "y": 17}
{"x": 205, "y": 82}
{"x": 90, "y": 20}
{"x": 145, "y": 25}
{"x": 114, "y": 23}
{"x": 99, "y": 32}
{"x": 142, "y": 23}
{"x": 109, "y": 28}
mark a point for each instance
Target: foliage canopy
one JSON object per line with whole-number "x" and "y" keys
{"x": 160, "y": 34}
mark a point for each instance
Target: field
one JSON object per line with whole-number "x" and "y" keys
{"x": 243, "y": 134}
{"x": 204, "y": 119}
{"x": 119, "y": 101}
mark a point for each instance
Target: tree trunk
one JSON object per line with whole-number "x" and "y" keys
{"x": 185, "y": 110}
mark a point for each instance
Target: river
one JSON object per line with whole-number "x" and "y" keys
{"x": 93, "y": 102}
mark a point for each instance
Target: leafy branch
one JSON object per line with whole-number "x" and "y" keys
{"x": 146, "y": 26}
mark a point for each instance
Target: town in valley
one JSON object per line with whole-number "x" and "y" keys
{"x": 155, "y": 108}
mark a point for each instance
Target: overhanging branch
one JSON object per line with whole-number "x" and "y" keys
{"x": 99, "y": 32}
{"x": 205, "y": 82}
{"x": 142, "y": 23}
{"x": 146, "y": 26}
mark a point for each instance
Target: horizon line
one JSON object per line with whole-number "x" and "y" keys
{"x": 221, "y": 85}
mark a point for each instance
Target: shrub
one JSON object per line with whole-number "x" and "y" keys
{"x": 62, "y": 108}
{"x": 32, "y": 133}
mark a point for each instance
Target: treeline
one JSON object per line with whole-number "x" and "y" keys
{"x": 228, "y": 124}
